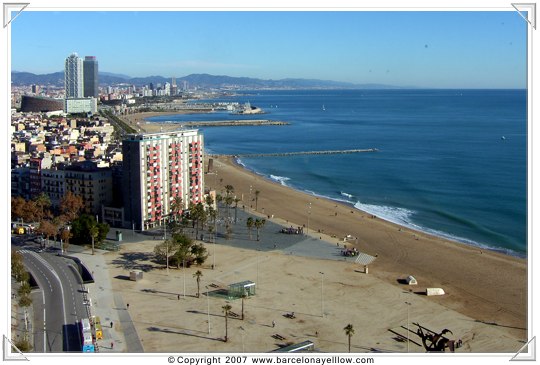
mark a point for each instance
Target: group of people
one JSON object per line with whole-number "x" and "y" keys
{"x": 292, "y": 230}
{"x": 349, "y": 252}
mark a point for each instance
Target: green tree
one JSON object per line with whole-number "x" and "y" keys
{"x": 228, "y": 202}
{"x": 259, "y": 223}
{"x": 176, "y": 208}
{"x": 250, "y": 224}
{"x": 18, "y": 271}
{"x": 229, "y": 189}
{"x": 226, "y": 309}
{"x": 94, "y": 232}
{"x": 81, "y": 230}
{"x": 349, "y": 331}
{"x": 25, "y": 301}
{"x": 181, "y": 249}
{"x": 24, "y": 289}
{"x": 197, "y": 276}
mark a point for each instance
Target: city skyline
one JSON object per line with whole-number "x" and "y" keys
{"x": 419, "y": 49}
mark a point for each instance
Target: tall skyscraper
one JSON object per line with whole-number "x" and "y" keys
{"x": 73, "y": 77}
{"x": 159, "y": 168}
{"x": 90, "y": 77}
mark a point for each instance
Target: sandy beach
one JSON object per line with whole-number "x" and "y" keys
{"x": 487, "y": 288}
{"x": 485, "y": 285}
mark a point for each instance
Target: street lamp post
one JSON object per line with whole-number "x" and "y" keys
{"x": 258, "y": 283}
{"x": 208, "y": 307}
{"x": 322, "y": 293}
{"x": 184, "y": 272}
{"x": 309, "y": 213}
{"x": 408, "y": 306}
{"x": 166, "y": 244}
{"x": 214, "y": 245}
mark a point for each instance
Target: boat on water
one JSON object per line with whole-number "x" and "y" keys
{"x": 247, "y": 108}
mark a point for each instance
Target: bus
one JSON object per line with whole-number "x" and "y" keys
{"x": 86, "y": 334}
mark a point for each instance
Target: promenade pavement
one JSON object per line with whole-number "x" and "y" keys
{"x": 109, "y": 307}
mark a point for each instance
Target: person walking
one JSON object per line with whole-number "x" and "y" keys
{"x": 112, "y": 345}
{"x": 127, "y": 306}
{"x": 111, "y": 324}
{"x": 273, "y": 324}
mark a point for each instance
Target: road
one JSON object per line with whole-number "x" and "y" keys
{"x": 61, "y": 306}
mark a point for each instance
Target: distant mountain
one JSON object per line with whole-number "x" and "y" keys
{"x": 199, "y": 80}
{"x": 115, "y": 75}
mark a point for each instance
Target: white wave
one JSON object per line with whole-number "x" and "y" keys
{"x": 280, "y": 179}
{"x": 346, "y": 194}
{"x": 396, "y": 215}
{"x": 240, "y": 162}
{"x": 402, "y": 217}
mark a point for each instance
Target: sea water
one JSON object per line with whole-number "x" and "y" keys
{"x": 449, "y": 162}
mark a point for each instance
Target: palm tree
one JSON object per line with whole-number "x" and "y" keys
{"x": 198, "y": 275}
{"x": 228, "y": 201}
{"x": 176, "y": 207}
{"x": 250, "y": 223}
{"x": 229, "y": 189}
{"x": 257, "y": 192}
{"x": 94, "y": 231}
{"x": 226, "y": 309}
{"x": 349, "y": 331}
{"x": 259, "y": 223}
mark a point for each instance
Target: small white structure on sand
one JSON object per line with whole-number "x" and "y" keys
{"x": 135, "y": 275}
{"x": 411, "y": 280}
{"x": 434, "y": 291}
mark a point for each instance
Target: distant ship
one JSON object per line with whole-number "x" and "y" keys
{"x": 248, "y": 109}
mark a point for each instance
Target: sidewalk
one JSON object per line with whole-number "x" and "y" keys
{"x": 109, "y": 307}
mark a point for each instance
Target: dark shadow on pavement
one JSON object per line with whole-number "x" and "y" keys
{"x": 166, "y": 330}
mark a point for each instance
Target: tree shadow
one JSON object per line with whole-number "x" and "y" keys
{"x": 131, "y": 261}
{"x": 498, "y": 325}
{"x": 166, "y": 330}
{"x": 154, "y": 291}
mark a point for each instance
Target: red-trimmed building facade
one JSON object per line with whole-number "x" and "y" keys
{"x": 158, "y": 169}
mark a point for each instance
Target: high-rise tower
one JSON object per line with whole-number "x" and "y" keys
{"x": 90, "y": 77}
{"x": 158, "y": 170}
{"x": 73, "y": 77}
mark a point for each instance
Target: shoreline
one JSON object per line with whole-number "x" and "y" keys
{"x": 487, "y": 285}
{"x": 152, "y": 127}
{"x": 427, "y": 231}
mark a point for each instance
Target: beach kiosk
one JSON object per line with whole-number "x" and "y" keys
{"x": 237, "y": 290}
{"x": 135, "y": 275}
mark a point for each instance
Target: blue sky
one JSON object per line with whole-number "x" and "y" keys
{"x": 410, "y": 48}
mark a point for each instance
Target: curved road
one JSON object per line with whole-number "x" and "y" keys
{"x": 56, "y": 327}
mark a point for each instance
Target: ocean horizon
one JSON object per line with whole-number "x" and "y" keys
{"x": 452, "y": 163}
